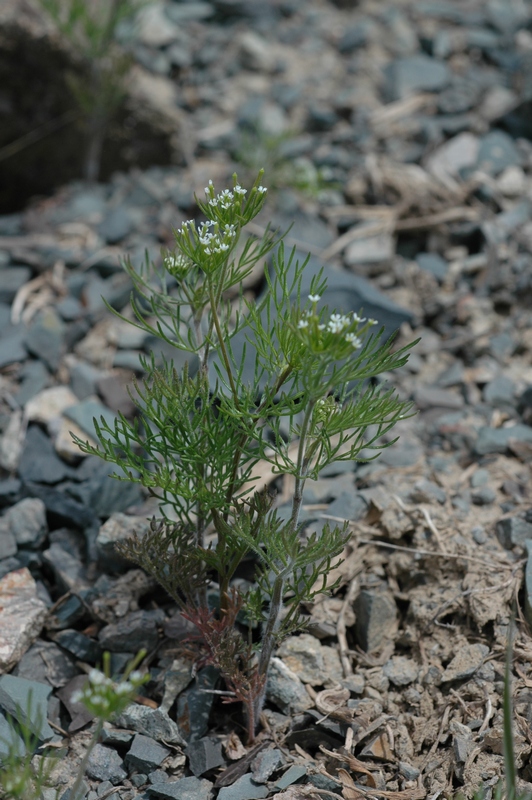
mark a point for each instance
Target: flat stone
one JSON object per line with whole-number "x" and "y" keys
{"x": 45, "y": 662}
{"x": 500, "y": 392}
{"x": 203, "y": 755}
{"x": 513, "y": 532}
{"x": 401, "y": 670}
{"x": 303, "y": 656}
{"x": 64, "y": 445}
{"x": 466, "y": 662}
{"x": 68, "y": 569}
{"x": 11, "y": 280}
{"x": 459, "y": 153}
{"x": 113, "y": 389}
{"x": 79, "y": 714}
{"x": 265, "y": 764}
{"x": 49, "y": 404}
{"x": 22, "y": 616}
{"x": 46, "y": 338}
{"x": 496, "y": 440}
{"x": 39, "y": 462}
{"x": 497, "y": 152}
{"x": 136, "y": 630}
{"x": 29, "y": 701}
{"x": 12, "y": 345}
{"x": 433, "y": 264}
{"x": 245, "y": 788}
{"x": 118, "y": 528}
{"x": 184, "y": 789}
{"x": 434, "y": 397}
{"x": 194, "y": 705}
{"x": 105, "y": 764}
{"x": 151, "y": 722}
{"x": 417, "y": 73}
{"x": 117, "y": 224}
{"x": 81, "y": 646}
{"x": 26, "y": 522}
{"x": 84, "y": 413}
{"x": 285, "y": 689}
{"x": 373, "y": 250}
{"x": 292, "y": 774}
{"x": 145, "y": 754}
{"x": 34, "y": 377}
{"x": 376, "y": 619}
{"x": 83, "y": 380}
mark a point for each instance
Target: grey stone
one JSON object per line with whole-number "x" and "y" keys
{"x": 136, "y": 630}
{"x": 83, "y": 379}
{"x": 105, "y": 764}
{"x": 497, "y": 151}
{"x": 265, "y": 764}
{"x": 34, "y": 378}
{"x": 151, "y": 722}
{"x": 81, "y": 646}
{"x": 39, "y": 462}
{"x": 513, "y": 532}
{"x": 245, "y": 788}
{"x": 68, "y": 570}
{"x": 203, "y": 755}
{"x": 145, "y": 754}
{"x": 105, "y": 495}
{"x": 434, "y": 264}
{"x": 285, "y": 689}
{"x": 292, "y": 774}
{"x": 434, "y": 397}
{"x": 496, "y": 440}
{"x": 10, "y": 741}
{"x": 409, "y": 772}
{"x": 69, "y": 309}
{"x": 401, "y": 670}
{"x": 84, "y": 413}
{"x": 458, "y": 153}
{"x": 118, "y": 223}
{"x": 46, "y": 338}
{"x": 26, "y": 521}
{"x": 348, "y": 506}
{"x": 184, "y": 789}
{"x": 500, "y": 392}
{"x": 528, "y": 582}
{"x": 158, "y": 776}
{"x": 425, "y": 491}
{"x": 479, "y": 534}
{"x": 45, "y": 662}
{"x": 27, "y": 701}
{"x": 483, "y": 496}
{"x": 8, "y": 544}
{"x": 12, "y": 347}
{"x": 465, "y": 663}
{"x": 417, "y": 73}
{"x": 11, "y": 280}
{"x": 116, "y": 736}
{"x": 118, "y": 528}
{"x": 376, "y": 619}
{"x": 377, "y": 249}
{"x": 303, "y": 656}
{"x": 195, "y": 704}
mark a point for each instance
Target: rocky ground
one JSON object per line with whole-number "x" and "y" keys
{"x": 396, "y": 136}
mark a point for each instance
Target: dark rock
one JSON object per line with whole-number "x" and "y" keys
{"x": 78, "y": 645}
{"x": 513, "y": 532}
{"x": 113, "y": 388}
{"x": 28, "y": 701}
{"x": 26, "y": 521}
{"x": 497, "y": 440}
{"x": 500, "y": 392}
{"x": 79, "y": 714}
{"x": 84, "y": 414}
{"x": 10, "y": 489}
{"x": 376, "y": 619}
{"x": 497, "y": 151}
{"x": 39, "y": 461}
{"x": 83, "y": 379}
{"x": 194, "y": 705}
{"x": 184, "y": 789}
{"x": 105, "y": 764}
{"x": 101, "y": 493}
{"x": 285, "y": 689}
{"x": 118, "y": 528}
{"x": 466, "y": 662}
{"x": 244, "y": 788}
{"x": 145, "y": 754}
{"x": 118, "y": 223}
{"x": 34, "y": 378}
{"x": 203, "y": 755}
{"x": 417, "y": 73}
{"x": 136, "y": 630}
{"x": 12, "y": 347}
{"x": 68, "y": 570}
{"x": 349, "y": 506}
{"x": 151, "y": 722}
{"x": 45, "y": 662}
{"x": 45, "y": 338}
{"x": 292, "y": 774}
{"x": 265, "y": 764}
{"x": 11, "y": 280}
{"x": 434, "y": 264}
{"x": 483, "y": 496}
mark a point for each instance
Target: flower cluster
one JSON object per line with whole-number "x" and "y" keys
{"x": 346, "y": 325}
{"x": 177, "y": 264}
{"x": 104, "y": 697}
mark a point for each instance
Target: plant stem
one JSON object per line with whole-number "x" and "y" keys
{"x": 73, "y": 794}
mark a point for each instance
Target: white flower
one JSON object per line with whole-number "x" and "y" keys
{"x": 136, "y": 676}
{"x": 314, "y": 298}
{"x": 372, "y": 322}
{"x": 358, "y": 319}
{"x": 97, "y": 678}
{"x": 353, "y": 339}
{"x": 76, "y": 697}
{"x": 303, "y": 323}
{"x": 261, "y": 189}
{"x": 123, "y": 688}
{"x": 239, "y": 190}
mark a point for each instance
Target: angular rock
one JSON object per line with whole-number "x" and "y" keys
{"x": 195, "y": 704}
{"x": 68, "y": 570}
{"x": 105, "y": 764}
{"x": 27, "y": 701}
{"x": 285, "y": 689}
{"x": 203, "y": 755}
{"x": 39, "y": 462}
{"x": 184, "y": 789}
{"x": 46, "y": 338}
{"x": 401, "y": 670}
{"x": 417, "y": 73}
{"x": 81, "y": 646}
{"x": 118, "y": 528}
{"x": 497, "y": 440}
{"x": 22, "y": 616}
{"x": 497, "y": 152}
{"x": 265, "y": 764}
{"x": 376, "y": 619}
{"x": 49, "y": 404}
{"x": 465, "y": 663}
{"x": 145, "y": 754}
{"x": 11, "y": 280}
{"x": 304, "y": 657}
{"x": 244, "y": 788}
{"x": 151, "y": 722}
{"x": 12, "y": 345}
{"x": 136, "y": 630}
{"x": 26, "y": 522}
{"x": 513, "y": 532}
{"x": 45, "y": 662}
